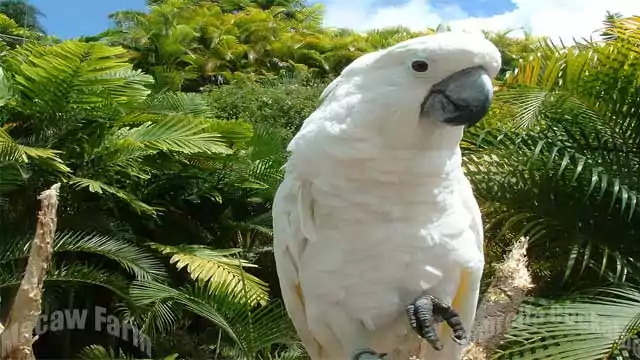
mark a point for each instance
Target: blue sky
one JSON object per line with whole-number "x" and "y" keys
{"x": 555, "y": 18}
{"x": 72, "y": 18}
{"x": 471, "y": 7}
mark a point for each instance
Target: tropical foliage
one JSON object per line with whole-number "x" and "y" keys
{"x": 168, "y": 134}
{"x": 77, "y": 113}
{"x": 567, "y": 180}
{"x": 23, "y": 13}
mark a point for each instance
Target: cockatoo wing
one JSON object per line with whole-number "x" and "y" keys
{"x": 465, "y": 301}
{"x": 293, "y": 228}
{"x": 471, "y": 279}
{"x": 471, "y": 205}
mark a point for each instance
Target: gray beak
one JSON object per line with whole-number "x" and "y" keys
{"x": 461, "y": 99}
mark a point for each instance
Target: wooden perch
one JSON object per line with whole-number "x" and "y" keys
{"x": 17, "y": 335}
{"x": 496, "y": 311}
{"x": 500, "y": 304}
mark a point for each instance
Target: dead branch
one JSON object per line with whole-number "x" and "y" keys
{"x": 17, "y": 335}
{"x": 500, "y": 304}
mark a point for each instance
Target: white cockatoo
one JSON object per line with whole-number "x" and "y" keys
{"x": 378, "y": 236}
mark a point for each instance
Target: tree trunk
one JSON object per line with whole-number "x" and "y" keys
{"x": 495, "y": 313}
{"x": 500, "y": 304}
{"x": 17, "y": 335}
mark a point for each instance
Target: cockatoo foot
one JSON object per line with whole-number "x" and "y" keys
{"x": 367, "y": 354}
{"x": 426, "y": 311}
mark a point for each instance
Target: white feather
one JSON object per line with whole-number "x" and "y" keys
{"x": 375, "y": 209}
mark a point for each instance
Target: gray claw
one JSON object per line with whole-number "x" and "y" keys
{"x": 368, "y": 354}
{"x": 426, "y": 311}
{"x": 461, "y": 341}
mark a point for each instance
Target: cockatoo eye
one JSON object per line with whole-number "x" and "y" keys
{"x": 420, "y": 66}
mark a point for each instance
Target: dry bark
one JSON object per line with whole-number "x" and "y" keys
{"x": 500, "y": 304}
{"x": 17, "y": 335}
{"x": 496, "y": 311}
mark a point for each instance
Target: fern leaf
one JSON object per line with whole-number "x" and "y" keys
{"x": 213, "y": 266}
{"x": 101, "y": 188}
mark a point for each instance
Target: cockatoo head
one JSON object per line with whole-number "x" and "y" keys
{"x": 435, "y": 83}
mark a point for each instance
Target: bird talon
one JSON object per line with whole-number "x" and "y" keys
{"x": 459, "y": 339}
{"x": 426, "y": 311}
{"x": 368, "y": 354}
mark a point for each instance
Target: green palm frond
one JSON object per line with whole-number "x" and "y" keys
{"x": 597, "y": 82}
{"x": 290, "y": 352}
{"x": 581, "y": 327}
{"x": 148, "y": 293}
{"x": 530, "y": 104}
{"x": 68, "y": 274}
{"x": 6, "y": 90}
{"x": 553, "y": 191}
{"x": 74, "y": 75}
{"x": 212, "y": 266}
{"x": 12, "y": 174}
{"x": 98, "y": 352}
{"x": 156, "y": 319}
{"x": 132, "y": 258}
{"x": 234, "y": 132}
{"x": 229, "y": 133}
{"x": 9, "y": 151}
{"x": 249, "y": 329}
{"x": 12, "y": 151}
{"x": 175, "y": 133}
{"x": 261, "y": 166}
{"x": 261, "y": 223}
{"x": 255, "y": 328}
{"x": 98, "y": 187}
{"x": 193, "y": 104}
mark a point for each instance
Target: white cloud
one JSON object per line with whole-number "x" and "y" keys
{"x": 363, "y": 15}
{"x": 555, "y": 18}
